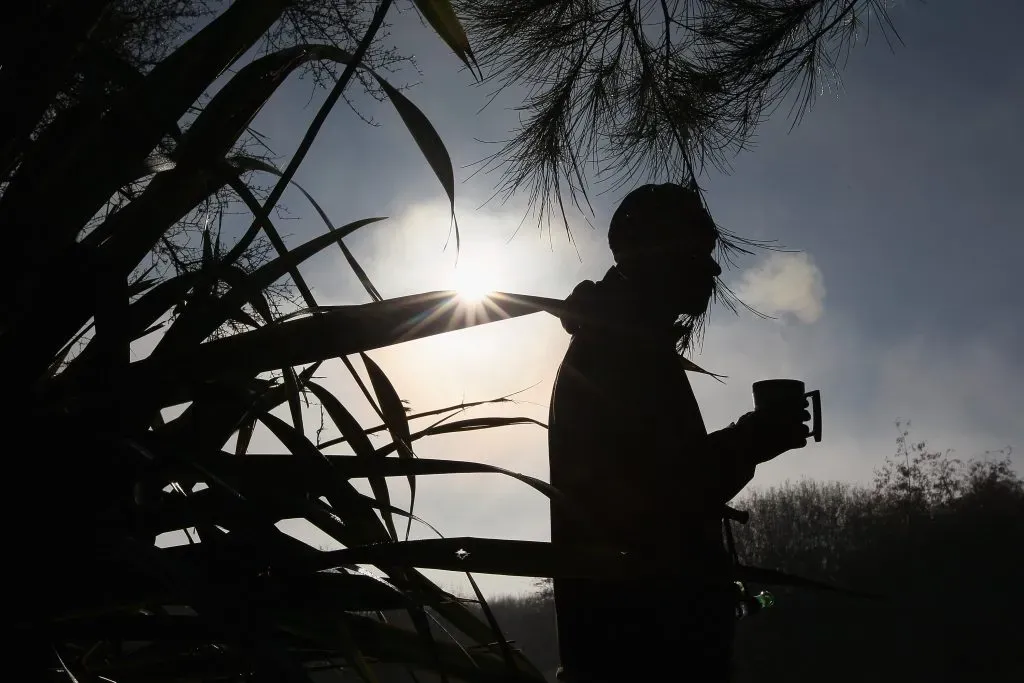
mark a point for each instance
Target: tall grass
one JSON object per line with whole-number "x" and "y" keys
{"x": 98, "y": 471}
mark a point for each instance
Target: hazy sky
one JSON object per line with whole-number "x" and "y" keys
{"x": 903, "y": 193}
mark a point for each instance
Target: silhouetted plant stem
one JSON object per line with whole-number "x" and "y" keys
{"x": 300, "y": 155}
{"x": 310, "y": 136}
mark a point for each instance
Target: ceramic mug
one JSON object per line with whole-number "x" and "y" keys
{"x": 772, "y": 394}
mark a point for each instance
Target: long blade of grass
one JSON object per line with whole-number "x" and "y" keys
{"x": 350, "y": 428}
{"x": 58, "y": 361}
{"x": 226, "y": 116}
{"x": 344, "y": 591}
{"x": 160, "y": 300}
{"x": 419, "y": 126}
{"x": 112, "y": 341}
{"x": 459, "y": 616}
{"x": 233, "y": 276}
{"x": 774, "y": 577}
{"x": 468, "y": 425}
{"x": 344, "y": 499}
{"x": 270, "y": 272}
{"x": 429, "y": 142}
{"x": 218, "y": 410}
{"x": 135, "y": 242}
{"x": 140, "y": 224}
{"x": 492, "y": 622}
{"x": 441, "y": 16}
{"x": 454, "y": 409}
{"x": 388, "y": 643}
{"x": 504, "y": 557}
{"x": 336, "y": 331}
{"x": 455, "y": 613}
{"x": 291, "y": 386}
{"x": 506, "y": 649}
{"x": 272, "y": 234}
{"x": 269, "y": 468}
{"x": 351, "y": 63}
{"x": 245, "y": 435}
{"x": 360, "y": 443}
{"x": 337, "y": 634}
{"x": 111, "y": 147}
{"x": 250, "y": 163}
{"x": 396, "y": 420}
{"x": 37, "y": 73}
{"x": 238, "y": 619}
{"x": 241, "y": 317}
{"x": 141, "y": 286}
{"x": 204, "y": 323}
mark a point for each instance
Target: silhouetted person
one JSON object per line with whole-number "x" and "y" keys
{"x": 629, "y": 448}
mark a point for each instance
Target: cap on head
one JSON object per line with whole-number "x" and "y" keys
{"x": 652, "y": 215}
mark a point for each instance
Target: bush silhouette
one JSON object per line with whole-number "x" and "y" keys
{"x": 940, "y": 539}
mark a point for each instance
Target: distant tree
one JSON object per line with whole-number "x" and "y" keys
{"x": 923, "y": 480}
{"x": 917, "y": 477}
{"x": 933, "y": 537}
{"x": 808, "y": 528}
{"x": 950, "y": 580}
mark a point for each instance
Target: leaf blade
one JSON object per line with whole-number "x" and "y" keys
{"x": 429, "y": 142}
{"x": 360, "y": 443}
{"x": 502, "y": 557}
{"x": 395, "y": 418}
{"x": 329, "y": 333}
{"x": 250, "y": 163}
{"x": 442, "y": 18}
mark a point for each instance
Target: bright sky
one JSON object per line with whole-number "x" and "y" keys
{"x": 902, "y": 194}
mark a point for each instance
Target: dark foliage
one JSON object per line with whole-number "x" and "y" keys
{"x": 625, "y": 91}
{"x": 949, "y": 569}
{"x": 100, "y": 170}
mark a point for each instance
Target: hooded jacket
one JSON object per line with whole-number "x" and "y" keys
{"x": 629, "y": 449}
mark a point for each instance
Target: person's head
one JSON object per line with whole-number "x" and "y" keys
{"x": 663, "y": 241}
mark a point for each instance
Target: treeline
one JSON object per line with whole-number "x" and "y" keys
{"x": 940, "y": 540}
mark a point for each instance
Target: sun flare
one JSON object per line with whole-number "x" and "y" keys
{"x": 473, "y": 281}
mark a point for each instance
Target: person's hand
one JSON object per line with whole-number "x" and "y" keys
{"x": 770, "y": 433}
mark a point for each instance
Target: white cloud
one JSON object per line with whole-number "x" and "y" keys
{"x": 785, "y": 284}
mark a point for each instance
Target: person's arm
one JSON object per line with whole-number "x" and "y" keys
{"x": 756, "y": 437}
{"x": 729, "y": 450}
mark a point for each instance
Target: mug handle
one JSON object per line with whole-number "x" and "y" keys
{"x": 815, "y": 397}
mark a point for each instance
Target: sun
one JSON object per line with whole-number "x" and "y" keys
{"x": 473, "y": 280}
